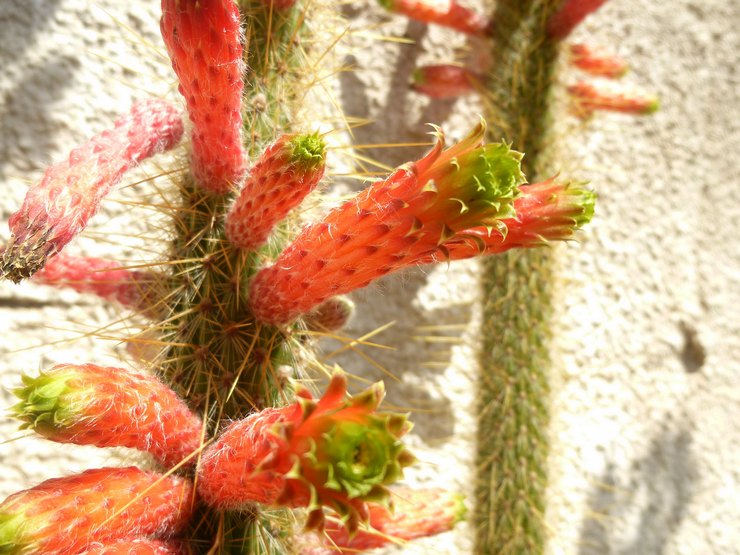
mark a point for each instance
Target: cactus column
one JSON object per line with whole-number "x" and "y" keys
{"x": 513, "y": 394}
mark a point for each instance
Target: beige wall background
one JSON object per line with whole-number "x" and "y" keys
{"x": 646, "y": 450}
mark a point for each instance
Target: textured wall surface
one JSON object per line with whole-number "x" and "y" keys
{"x": 646, "y": 450}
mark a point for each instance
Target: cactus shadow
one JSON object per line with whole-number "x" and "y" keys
{"x": 409, "y": 365}
{"x": 663, "y": 480}
{"x": 30, "y": 123}
{"x": 386, "y": 117}
{"x": 21, "y": 25}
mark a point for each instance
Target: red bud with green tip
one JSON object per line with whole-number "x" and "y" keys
{"x": 545, "y": 212}
{"x": 65, "y": 516}
{"x": 288, "y": 170}
{"x": 587, "y": 98}
{"x": 59, "y": 206}
{"x": 335, "y": 452}
{"x": 394, "y": 223}
{"x": 204, "y": 40}
{"x": 109, "y": 407}
{"x": 446, "y": 13}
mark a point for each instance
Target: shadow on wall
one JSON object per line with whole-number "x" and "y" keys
{"x": 665, "y": 477}
{"x": 33, "y": 86}
{"x": 392, "y": 298}
{"x": 388, "y": 123}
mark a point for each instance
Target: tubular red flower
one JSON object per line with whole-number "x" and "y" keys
{"x": 413, "y": 514}
{"x": 203, "y": 38}
{"x": 446, "y": 13}
{"x": 101, "y": 277}
{"x": 597, "y": 63}
{"x": 412, "y": 215}
{"x": 64, "y": 516}
{"x": 57, "y": 208}
{"x": 109, "y": 407}
{"x": 587, "y": 98}
{"x": 334, "y": 452}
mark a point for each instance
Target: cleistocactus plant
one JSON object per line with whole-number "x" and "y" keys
{"x": 246, "y": 457}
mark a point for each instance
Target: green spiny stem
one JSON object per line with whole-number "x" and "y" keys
{"x": 219, "y": 358}
{"x": 513, "y": 395}
{"x": 274, "y": 67}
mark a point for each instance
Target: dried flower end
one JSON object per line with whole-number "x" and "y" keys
{"x": 332, "y": 452}
{"x": 394, "y": 223}
{"x": 331, "y": 315}
{"x": 285, "y": 174}
{"x": 58, "y": 207}
{"x": 66, "y": 515}
{"x": 108, "y": 407}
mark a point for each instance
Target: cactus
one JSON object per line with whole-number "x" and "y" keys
{"x": 230, "y": 299}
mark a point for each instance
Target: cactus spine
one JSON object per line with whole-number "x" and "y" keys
{"x": 514, "y": 390}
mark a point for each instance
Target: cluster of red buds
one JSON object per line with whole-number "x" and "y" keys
{"x": 441, "y": 81}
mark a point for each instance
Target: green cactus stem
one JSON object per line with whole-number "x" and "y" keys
{"x": 517, "y": 294}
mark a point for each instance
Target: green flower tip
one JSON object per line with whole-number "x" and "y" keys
{"x": 653, "y": 106}
{"x": 583, "y": 201}
{"x": 308, "y": 151}
{"x": 489, "y": 179}
{"x": 387, "y": 4}
{"x": 361, "y": 456}
{"x": 46, "y": 400}
{"x": 460, "y": 510}
{"x": 11, "y": 533}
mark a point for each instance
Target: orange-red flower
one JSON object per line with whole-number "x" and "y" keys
{"x": 415, "y": 214}
{"x": 63, "y": 516}
{"x": 204, "y": 40}
{"x": 336, "y": 452}
{"x": 87, "y": 404}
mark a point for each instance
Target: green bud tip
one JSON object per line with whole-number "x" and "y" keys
{"x": 46, "y": 400}
{"x": 653, "y": 106}
{"x": 584, "y": 202}
{"x": 308, "y": 151}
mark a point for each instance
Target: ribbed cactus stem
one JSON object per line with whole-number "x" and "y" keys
{"x": 513, "y": 388}
{"x": 222, "y": 362}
